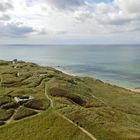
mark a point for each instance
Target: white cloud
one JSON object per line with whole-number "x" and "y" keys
{"x": 4, "y": 17}
{"x": 69, "y": 19}
{"x": 15, "y": 30}
{"x": 65, "y": 4}
{"x": 5, "y": 5}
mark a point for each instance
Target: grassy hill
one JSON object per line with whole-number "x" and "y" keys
{"x": 64, "y": 107}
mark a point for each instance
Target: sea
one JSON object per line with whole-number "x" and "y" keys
{"x": 115, "y": 64}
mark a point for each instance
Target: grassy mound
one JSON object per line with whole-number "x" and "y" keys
{"x": 63, "y": 93}
{"x": 5, "y": 114}
{"x": 11, "y": 105}
{"x": 23, "y": 112}
{"x": 4, "y": 100}
{"x": 40, "y": 104}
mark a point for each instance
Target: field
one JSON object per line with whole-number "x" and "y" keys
{"x": 63, "y": 106}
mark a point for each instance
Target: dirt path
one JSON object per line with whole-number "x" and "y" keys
{"x": 11, "y": 119}
{"x": 67, "y": 119}
{"x": 81, "y": 128}
{"x": 46, "y": 94}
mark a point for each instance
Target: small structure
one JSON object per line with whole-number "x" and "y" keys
{"x": 24, "y": 98}
{"x": 14, "y": 61}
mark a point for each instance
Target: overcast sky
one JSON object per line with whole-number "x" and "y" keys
{"x": 69, "y": 21}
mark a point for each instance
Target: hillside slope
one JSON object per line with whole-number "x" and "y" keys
{"x": 63, "y": 106}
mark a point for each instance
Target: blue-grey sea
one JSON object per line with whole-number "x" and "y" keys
{"x": 116, "y": 64}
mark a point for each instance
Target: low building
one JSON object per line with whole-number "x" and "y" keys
{"x": 14, "y": 61}
{"x": 23, "y": 98}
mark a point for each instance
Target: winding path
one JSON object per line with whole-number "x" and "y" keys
{"x": 67, "y": 119}
{"x": 46, "y": 94}
{"x": 11, "y": 118}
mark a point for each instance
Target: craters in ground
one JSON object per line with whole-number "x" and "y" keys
{"x": 20, "y": 80}
{"x": 10, "y": 109}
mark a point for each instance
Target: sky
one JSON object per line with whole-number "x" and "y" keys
{"x": 69, "y": 21}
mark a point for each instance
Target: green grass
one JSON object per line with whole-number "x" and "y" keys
{"x": 47, "y": 126}
{"x": 4, "y": 100}
{"x": 5, "y": 114}
{"x": 39, "y": 104}
{"x": 58, "y": 92}
{"x": 23, "y": 112}
{"x": 106, "y": 111}
{"x": 11, "y": 105}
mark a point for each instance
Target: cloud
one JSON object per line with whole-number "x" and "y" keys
{"x": 118, "y": 12}
{"x": 15, "y": 30}
{"x": 65, "y": 4}
{"x": 129, "y": 6}
{"x": 114, "y": 16}
{"x": 4, "y": 6}
{"x": 69, "y": 18}
{"x": 4, "y": 17}
{"x": 82, "y": 16}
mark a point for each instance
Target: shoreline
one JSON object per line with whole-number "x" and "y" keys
{"x": 134, "y": 90}
{"x": 127, "y": 88}
{"x": 137, "y": 90}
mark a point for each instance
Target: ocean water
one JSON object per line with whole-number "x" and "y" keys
{"x": 116, "y": 64}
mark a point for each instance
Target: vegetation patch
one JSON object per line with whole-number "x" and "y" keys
{"x": 23, "y": 112}
{"x": 2, "y": 62}
{"x": 24, "y": 91}
{"x": 10, "y": 105}
{"x": 5, "y": 114}
{"x": 4, "y": 100}
{"x": 107, "y": 111}
{"x": 63, "y": 93}
{"x": 40, "y": 104}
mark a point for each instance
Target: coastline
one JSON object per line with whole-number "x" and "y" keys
{"x": 134, "y": 90}
{"x": 127, "y": 88}
{"x": 137, "y": 90}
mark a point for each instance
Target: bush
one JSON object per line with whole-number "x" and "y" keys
{"x": 40, "y": 104}
{"x": 24, "y": 112}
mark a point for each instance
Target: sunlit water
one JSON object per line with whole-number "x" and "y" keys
{"x": 117, "y": 64}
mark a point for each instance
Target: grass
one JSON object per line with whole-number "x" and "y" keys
{"x": 5, "y": 114}
{"x": 58, "y": 92}
{"x": 48, "y": 126}
{"x": 23, "y": 112}
{"x": 106, "y": 111}
{"x": 4, "y": 100}
{"x": 11, "y": 105}
{"x": 39, "y": 104}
